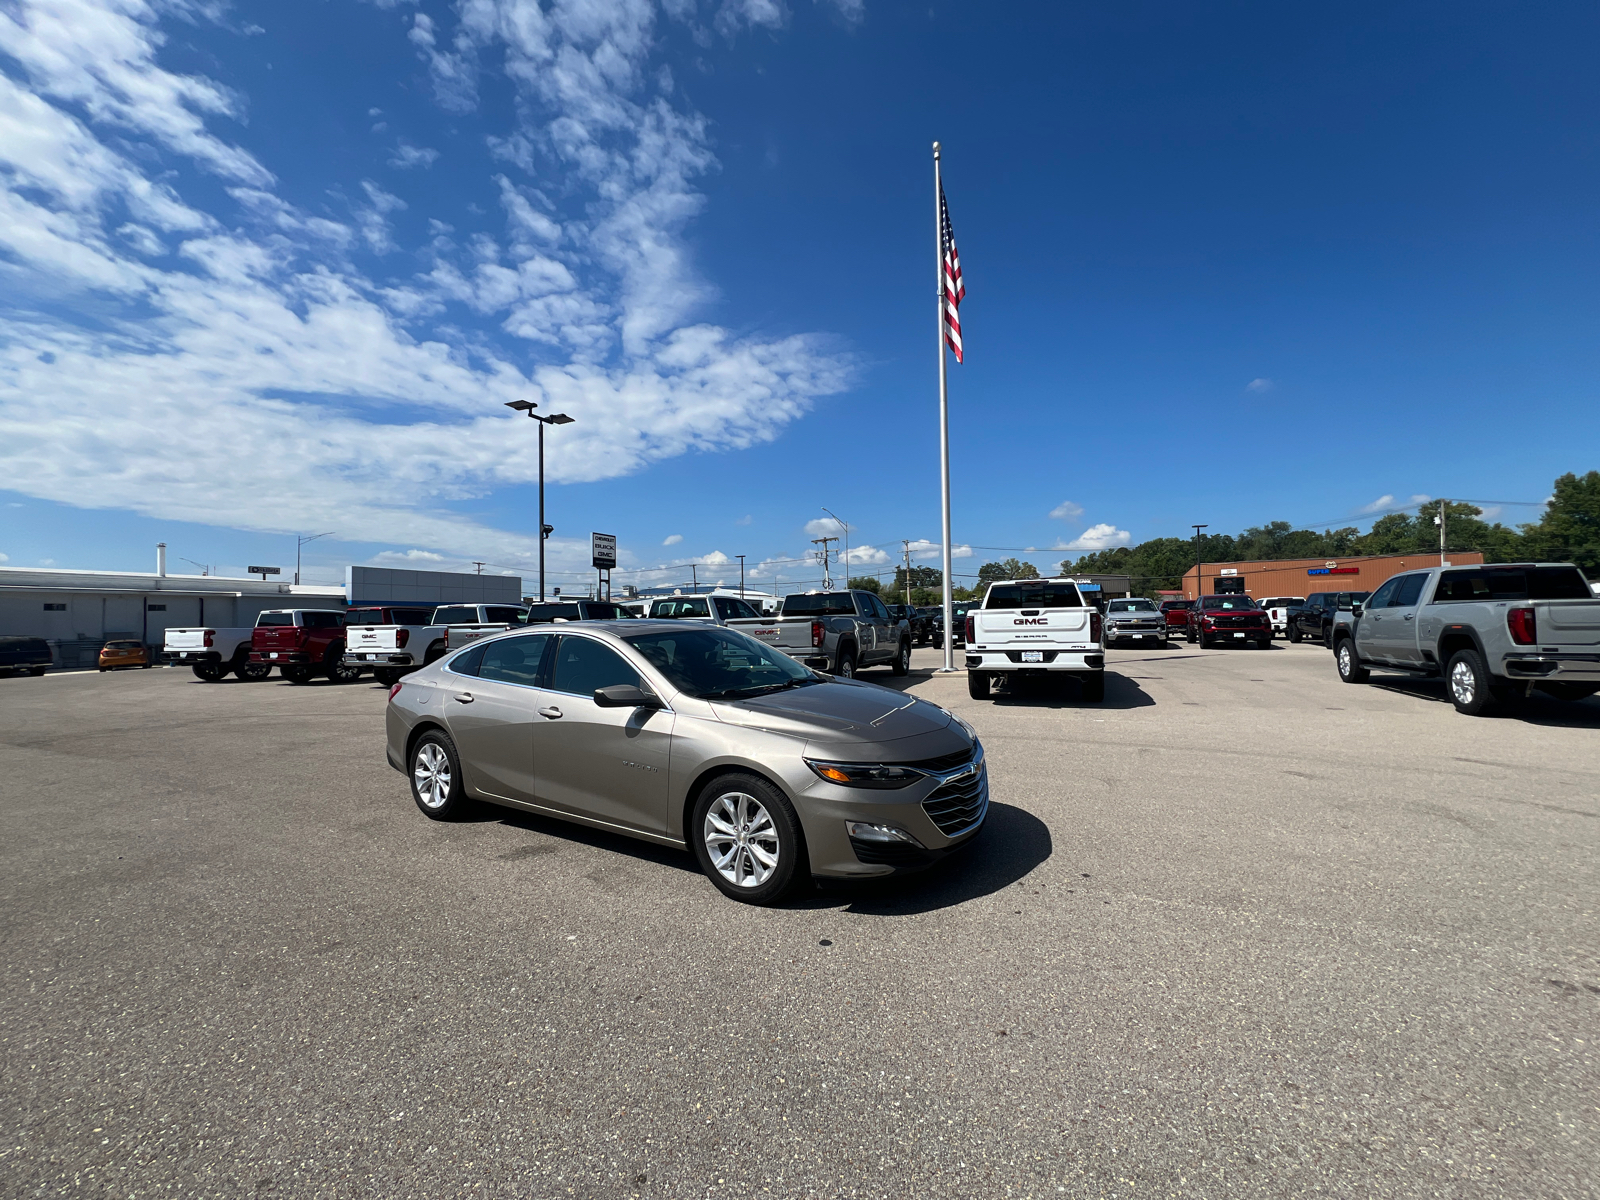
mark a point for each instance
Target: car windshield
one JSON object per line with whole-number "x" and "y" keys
{"x": 1130, "y": 606}
{"x": 719, "y": 664}
{"x": 819, "y": 604}
{"x": 1034, "y": 593}
{"x": 1228, "y": 604}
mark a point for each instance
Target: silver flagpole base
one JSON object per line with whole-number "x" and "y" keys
{"x": 947, "y": 670}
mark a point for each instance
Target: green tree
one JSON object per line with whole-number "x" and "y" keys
{"x": 867, "y": 583}
{"x": 930, "y": 578}
{"x": 1011, "y": 568}
{"x": 1569, "y": 530}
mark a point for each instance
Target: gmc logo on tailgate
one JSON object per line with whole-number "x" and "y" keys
{"x": 1030, "y": 620}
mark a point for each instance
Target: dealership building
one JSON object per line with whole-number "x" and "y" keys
{"x": 1302, "y": 576}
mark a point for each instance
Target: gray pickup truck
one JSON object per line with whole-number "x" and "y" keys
{"x": 835, "y": 632}
{"x": 1494, "y": 633}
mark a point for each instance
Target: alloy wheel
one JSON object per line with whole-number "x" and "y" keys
{"x": 431, "y": 775}
{"x": 741, "y": 839}
{"x": 1463, "y": 682}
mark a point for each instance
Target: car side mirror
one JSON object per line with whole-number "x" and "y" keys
{"x": 625, "y": 695}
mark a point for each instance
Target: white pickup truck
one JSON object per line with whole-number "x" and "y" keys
{"x": 1038, "y": 627}
{"x": 212, "y": 653}
{"x": 391, "y": 640}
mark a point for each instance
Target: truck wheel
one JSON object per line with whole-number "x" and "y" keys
{"x": 297, "y": 674}
{"x": 343, "y": 672}
{"x": 435, "y": 652}
{"x": 978, "y": 684}
{"x": 1349, "y": 664}
{"x": 1468, "y": 683}
{"x": 388, "y": 676}
{"x": 250, "y": 672}
{"x": 846, "y": 667}
{"x": 436, "y": 783}
{"x": 902, "y": 660}
{"x": 1327, "y": 637}
{"x": 1293, "y": 634}
{"x": 1092, "y": 688}
{"x": 210, "y": 672}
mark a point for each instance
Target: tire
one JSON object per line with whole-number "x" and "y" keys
{"x": 749, "y": 804}
{"x": 1293, "y": 634}
{"x": 102, "y": 670}
{"x": 1349, "y": 663}
{"x": 251, "y": 672}
{"x": 343, "y": 672}
{"x": 1467, "y": 681}
{"x": 979, "y": 684}
{"x": 1092, "y": 688}
{"x": 902, "y": 660}
{"x": 846, "y": 666}
{"x": 435, "y": 652}
{"x": 210, "y": 672}
{"x": 1327, "y": 638}
{"x": 434, "y": 770}
{"x": 298, "y": 674}
{"x": 388, "y": 676}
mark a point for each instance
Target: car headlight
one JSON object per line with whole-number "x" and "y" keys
{"x": 865, "y": 775}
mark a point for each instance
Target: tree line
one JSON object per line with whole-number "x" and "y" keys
{"x": 1568, "y": 530}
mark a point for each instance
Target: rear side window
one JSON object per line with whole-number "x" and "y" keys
{"x": 469, "y": 660}
{"x": 510, "y": 616}
{"x": 822, "y": 604}
{"x": 513, "y": 660}
{"x": 1513, "y": 583}
{"x": 583, "y": 665}
{"x": 1028, "y": 594}
{"x": 1408, "y": 592}
{"x": 275, "y": 618}
{"x": 456, "y": 614}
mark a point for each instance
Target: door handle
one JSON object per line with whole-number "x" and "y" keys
{"x": 553, "y": 713}
{"x": 464, "y": 697}
{"x": 1409, "y": 617}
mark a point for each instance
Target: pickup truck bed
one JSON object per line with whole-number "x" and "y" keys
{"x": 835, "y": 632}
{"x": 212, "y": 653}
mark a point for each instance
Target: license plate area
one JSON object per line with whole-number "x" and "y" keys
{"x": 1033, "y": 656}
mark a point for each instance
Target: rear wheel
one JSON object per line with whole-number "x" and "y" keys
{"x": 343, "y": 672}
{"x": 250, "y": 671}
{"x": 902, "y": 659}
{"x": 388, "y": 676}
{"x": 297, "y": 674}
{"x": 1468, "y": 682}
{"x": 747, "y": 839}
{"x": 1349, "y": 664}
{"x": 435, "y": 773}
{"x": 846, "y": 667}
{"x": 1092, "y": 688}
{"x": 1293, "y": 634}
{"x": 210, "y": 672}
{"x": 978, "y": 684}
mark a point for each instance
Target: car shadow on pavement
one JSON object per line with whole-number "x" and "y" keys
{"x": 1536, "y": 709}
{"x": 583, "y": 835}
{"x": 1121, "y": 692}
{"x": 1012, "y": 843}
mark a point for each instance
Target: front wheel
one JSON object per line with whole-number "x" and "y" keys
{"x": 436, "y": 777}
{"x": 902, "y": 660}
{"x": 1092, "y": 688}
{"x": 1468, "y": 682}
{"x": 297, "y": 674}
{"x": 1350, "y": 668}
{"x": 250, "y": 672}
{"x": 1293, "y": 634}
{"x": 846, "y": 668}
{"x": 978, "y": 684}
{"x": 747, "y": 839}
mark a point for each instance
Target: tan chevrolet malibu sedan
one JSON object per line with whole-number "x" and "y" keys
{"x": 696, "y": 737}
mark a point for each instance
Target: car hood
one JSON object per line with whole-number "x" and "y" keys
{"x": 840, "y": 709}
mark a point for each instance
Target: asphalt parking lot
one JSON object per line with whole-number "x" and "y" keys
{"x": 1242, "y": 930}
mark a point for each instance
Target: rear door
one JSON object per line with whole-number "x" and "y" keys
{"x": 491, "y": 713}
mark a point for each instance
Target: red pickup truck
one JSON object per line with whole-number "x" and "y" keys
{"x": 1176, "y": 613}
{"x": 303, "y": 643}
{"x": 1230, "y": 620}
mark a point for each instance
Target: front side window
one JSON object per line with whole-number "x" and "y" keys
{"x": 513, "y": 660}
{"x": 1383, "y": 597}
{"x": 582, "y": 665}
{"x": 875, "y": 608}
{"x": 712, "y": 663}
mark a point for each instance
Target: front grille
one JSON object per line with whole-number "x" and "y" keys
{"x": 958, "y": 805}
{"x": 1238, "y": 622}
{"x": 1016, "y": 655}
{"x": 1136, "y": 625}
{"x": 946, "y": 762}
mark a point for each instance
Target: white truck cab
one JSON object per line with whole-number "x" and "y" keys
{"x": 1041, "y": 627}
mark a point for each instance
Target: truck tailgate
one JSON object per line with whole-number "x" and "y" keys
{"x": 784, "y": 633}
{"x": 1004, "y": 627}
{"x": 371, "y": 637}
{"x": 1568, "y": 622}
{"x": 276, "y": 637}
{"x": 186, "y": 639}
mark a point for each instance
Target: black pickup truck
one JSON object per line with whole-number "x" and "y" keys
{"x": 28, "y": 654}
{"x": 1314, "y": 618}
{"x": 919, "y": 620}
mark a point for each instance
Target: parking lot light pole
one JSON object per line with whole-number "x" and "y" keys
{"x": 301, "y": 540}
{"x": 1197, "y": 530}
{"x": 740, "y": 557}
{"x": 545, "y": 531}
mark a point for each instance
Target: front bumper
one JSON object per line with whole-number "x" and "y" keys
{"x": 1567, "y": 668}
{"x": 1116, "y": 633}
{"x": 1078, "y": 661}
{"x": 1230, "y": 633}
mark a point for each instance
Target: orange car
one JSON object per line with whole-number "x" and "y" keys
{"x": 123, "y": 654}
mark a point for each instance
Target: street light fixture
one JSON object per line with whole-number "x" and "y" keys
{"x": 527, "y": 406}
{"x": 301, "y": 540}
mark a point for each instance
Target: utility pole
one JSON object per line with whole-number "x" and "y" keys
{"x": 845, "y": 529}
{"x": 1197, "y": 563}
{"x": 827, "y": 578}
{"x": 906, "y": 542}
{"x": 479, "y": 565}
{"x": 300, "y": 540}
{"x": 1439, "y": 521}
{"x": 740, "y": 557}
{"x": 694, "y": 580}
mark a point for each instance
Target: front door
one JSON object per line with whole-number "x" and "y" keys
{"x": 606, "y": 763}
{"x": 1374, "y": 628}
{"x": 491, "y": 716}
{"x": 1400, "y": 621}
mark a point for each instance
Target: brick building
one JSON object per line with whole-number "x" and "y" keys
{"x": 1302, "y": 576}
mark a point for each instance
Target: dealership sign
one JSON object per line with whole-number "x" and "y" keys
{"x": 603, "y": 550}
{"x": 1334, "y": 571}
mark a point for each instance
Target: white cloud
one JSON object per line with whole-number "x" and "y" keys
{"x": 674, "y": 539}
{"x": 406, "y": 156}
{"x": 1259, "y": 385}
{"x": 1386, "y": 502}
{"x": 5, "y": 558}
{"x": 923, "y": 549}
{"x": 1100, "y": 537}
{"x": 717, "y": 558}
{"x": 853, "y": 11}
{"x": 1066, "y": 510}
{"x": 744, "y": 520}
{"x": 260, "y": 338}
{"x": 866, "y": 555}
{"x": 407, "y": 558}
{"x": 1490, "y": 512}
{"x": 827, "y": 526}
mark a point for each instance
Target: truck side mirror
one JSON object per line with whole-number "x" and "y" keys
{"x": 1355, "y": 608}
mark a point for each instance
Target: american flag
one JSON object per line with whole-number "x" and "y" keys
{"x": 954, "y": 289}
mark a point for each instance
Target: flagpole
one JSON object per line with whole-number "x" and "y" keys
{"x": 944, "y": 420}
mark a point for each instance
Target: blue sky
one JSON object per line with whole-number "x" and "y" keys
{"x": 276, "y": 268}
